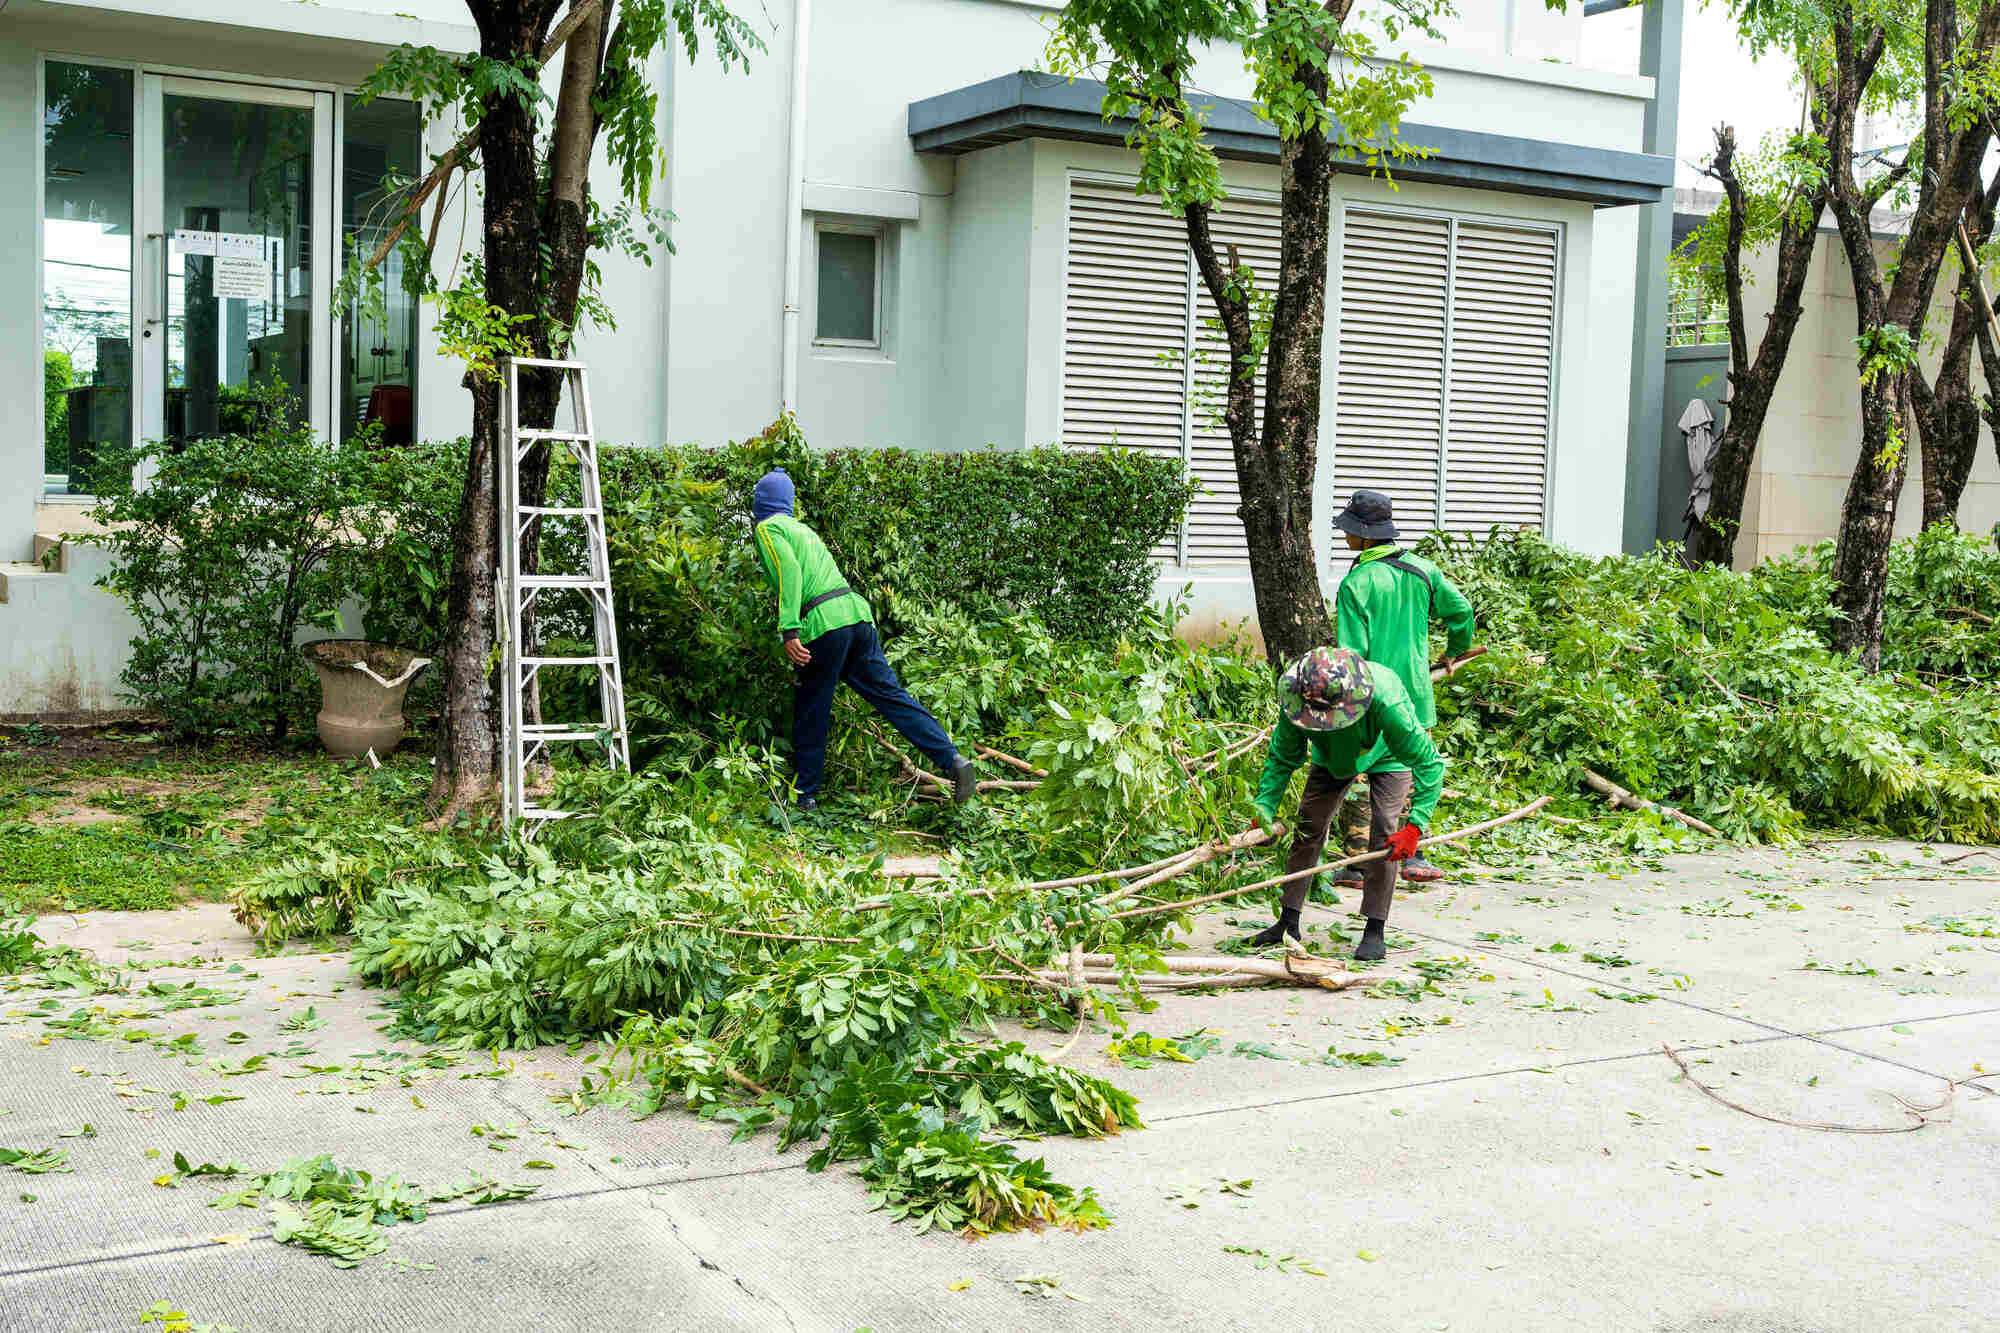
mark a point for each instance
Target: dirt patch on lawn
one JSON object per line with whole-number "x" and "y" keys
{"x": 127, "y": 742}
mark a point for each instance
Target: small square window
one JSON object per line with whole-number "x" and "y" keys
{"x": 850, "y": 289}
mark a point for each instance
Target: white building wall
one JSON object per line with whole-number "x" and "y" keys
{"x": 974, "y": 313}
{"x": 1812, "y": 434}
{"x": 20, "y": 331}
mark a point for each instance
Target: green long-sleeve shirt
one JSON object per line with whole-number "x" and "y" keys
{"x": 1384, "y": 613}
{"x": 1390, "y": 724}
{"x": 799, "y": 568}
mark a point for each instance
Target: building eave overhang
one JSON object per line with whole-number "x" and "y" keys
{"x": 1029, "y": 105}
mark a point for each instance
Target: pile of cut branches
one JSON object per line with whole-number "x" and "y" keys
{"x": 755, "y": 963}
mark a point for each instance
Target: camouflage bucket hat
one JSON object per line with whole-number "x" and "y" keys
{"x": 1326, "y": 690}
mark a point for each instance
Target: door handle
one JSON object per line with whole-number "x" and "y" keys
{"x": 160, "y": 302}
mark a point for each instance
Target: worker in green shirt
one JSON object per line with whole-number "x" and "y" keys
{"x": 1342, "y": 712}
{"x": 829, "y": 637}
{"x": 1383, "y": 611}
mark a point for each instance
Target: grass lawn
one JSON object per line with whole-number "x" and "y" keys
{"x": 113, "y": 819}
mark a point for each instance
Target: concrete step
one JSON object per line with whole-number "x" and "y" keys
{"x": 15, "y": 573}
{"x": 52, "y": 552}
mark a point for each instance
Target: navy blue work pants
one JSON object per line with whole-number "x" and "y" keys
{"x": 854, "y": 654}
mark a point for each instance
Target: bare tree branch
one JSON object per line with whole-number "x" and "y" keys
{"x": 1724, "y": 170}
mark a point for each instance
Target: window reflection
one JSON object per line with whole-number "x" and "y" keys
{"x": 86, "y": 270}
{"x": 241, "y": 172}
{"x": 381, "y": 153}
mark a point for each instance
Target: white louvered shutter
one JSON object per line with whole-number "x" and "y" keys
{"x": 1503, "y": 325}
{"x": 1127, "y": 304}
{"x": 1214, "y": 529}
{"x": 1389, "y": 415}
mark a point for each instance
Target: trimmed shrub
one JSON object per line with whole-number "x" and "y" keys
{"x": 235, "y": 545}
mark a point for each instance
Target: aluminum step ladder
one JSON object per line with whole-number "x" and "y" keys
{"x": 527, "y": 743}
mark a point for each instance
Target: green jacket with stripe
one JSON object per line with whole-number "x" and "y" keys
{"x": 800, "y": 569}
{"x": 1389, "y": 727}
{"x": 1384, "y": 613}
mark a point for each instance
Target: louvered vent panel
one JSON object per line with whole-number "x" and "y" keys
{"x": 1125, "y": 325}
{"x": 1503, "y": 333}
{"x": 1389, "y": 419}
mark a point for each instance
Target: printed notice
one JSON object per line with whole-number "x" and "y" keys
{"x": 194, "y": 242}
{"x": 239, "y": 245}
{"x": 241, "y": 280}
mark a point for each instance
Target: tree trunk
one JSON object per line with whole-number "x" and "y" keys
{"x": 1868, "y": 519}
{"x": 1948, "y": 421}
{"x": 468, "y": 749}
{"x": 468, "y": 755}
{"x": 1949, "y": 180}
{"x": 1949, "y": 414}
{"x": 1276, "y": 467}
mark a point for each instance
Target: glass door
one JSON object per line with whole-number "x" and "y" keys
{"x": 235, "y": 286}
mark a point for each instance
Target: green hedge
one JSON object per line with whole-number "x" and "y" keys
{"x": 1062, "y": 536}
{"x": 1065, "y": 535}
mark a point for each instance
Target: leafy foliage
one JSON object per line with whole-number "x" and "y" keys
{"x": 336, "y": 1211}
{"x": 1714, "y": 691}
{"x": 230, "y": 549}
{"x": 1314, "y": 73}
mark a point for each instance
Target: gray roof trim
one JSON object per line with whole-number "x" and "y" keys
{"x": 1029, "y": 105}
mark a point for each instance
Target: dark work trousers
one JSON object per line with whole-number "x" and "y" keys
{"x": 1389, "y": 795}
{"x": 854, "y": 654}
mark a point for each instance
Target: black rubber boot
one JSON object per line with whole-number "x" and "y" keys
{"x": 1372, "y": 949}
{"x": 808, "y": 804}
{"x": 964, "y": 781}
{"x": 1286, "y": 924}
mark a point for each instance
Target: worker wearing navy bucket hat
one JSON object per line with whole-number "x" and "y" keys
{"x": 1383, "y": 611}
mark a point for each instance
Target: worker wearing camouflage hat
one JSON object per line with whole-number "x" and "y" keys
{"x": 1353, "y": 718}
{"x": 1383, "y": 611}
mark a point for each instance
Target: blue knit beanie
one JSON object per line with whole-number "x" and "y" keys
{"x": 773, "y": 495}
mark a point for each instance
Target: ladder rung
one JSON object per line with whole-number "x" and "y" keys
{"x": 577, "y": 435}
{"x": 543, "y": 363}
{"x": 540, "y": 812}
{"x": 563, "y": 581}
{"x": 566, "y": 511}
{"x": 565, "y": 661}
{"x": 555, "y": 731}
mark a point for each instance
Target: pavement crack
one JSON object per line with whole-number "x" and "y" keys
{"x": 659, "y": 1205}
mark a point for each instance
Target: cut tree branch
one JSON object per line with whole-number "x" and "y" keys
{"x": 1618, "y": 796}
{"x": 1461, "y": 835}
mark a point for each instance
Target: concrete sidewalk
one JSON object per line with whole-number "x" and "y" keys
{"x": 1533, "y": 1161}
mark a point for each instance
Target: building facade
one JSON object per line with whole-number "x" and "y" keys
{"x": 973, "y": 269}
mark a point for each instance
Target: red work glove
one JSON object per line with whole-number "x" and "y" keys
{"x": 1403, "y": 842}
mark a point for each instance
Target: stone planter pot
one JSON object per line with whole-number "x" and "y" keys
{"x": 361, "y": 685}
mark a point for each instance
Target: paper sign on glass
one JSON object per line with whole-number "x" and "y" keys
{"x": 194, "y": 242}
{"x": 239, "y": 245}
{"x": 241, "y": 279}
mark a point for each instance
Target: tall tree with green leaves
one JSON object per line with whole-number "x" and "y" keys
{"x": 1322, "y": 82}
{"x": 534, "y": 280}
{"x": 1960, "y": 40}
{"x": 1777, "y": 196}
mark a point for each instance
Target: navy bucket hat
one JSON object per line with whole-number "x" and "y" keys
{"x": 1370, "y": 515}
